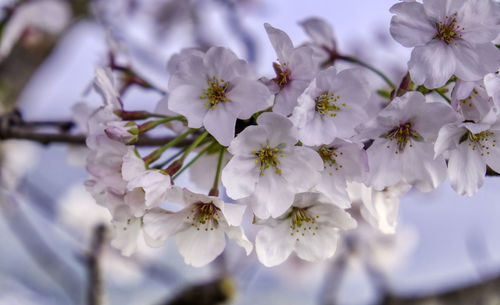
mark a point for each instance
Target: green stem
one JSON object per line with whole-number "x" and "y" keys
{"x": 201, "y": 153}
{"x": 193, "y": 146}
{"x": 152, "y": 124}
{"x": 158, "y": 152}
{"x": 438, "y": 91}
{"x": 215, "y": 188}
{"x": 369, "y": 67}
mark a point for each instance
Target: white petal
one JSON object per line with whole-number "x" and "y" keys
{"x": 240, "y": 176}
{"x": 280, "y": 41}
{"x": 448, "y": 138}
{"x": 159, "y": 224}
{"x": 251, "y": 95}
{"x": 233, "y": 213}
{"x": 421, "y": 169}
{"x": 317, "y": 247}
{"x": 410, "y": 26}
{"x": 274, "y": 244}
{"x": 220, "y": 122}
{"x": 320, "y": 31}
{"x": 466, "y": 169}
{"x": 200, "y": 247}
{"x": 237, "y": 235}
{"x": 185, "y": 99}
{"x": 273, "y": 193}
{"x": 132, "y": 166}
{"x": 432, "y": 64}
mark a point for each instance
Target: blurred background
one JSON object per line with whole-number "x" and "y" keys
{"x": 54, "y": 238}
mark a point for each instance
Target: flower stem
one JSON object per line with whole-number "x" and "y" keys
{"x": 193, "y": 145}
{"x": 158, "y": 152}
{"x": 369, "y": 67}
{"x": 201, "y": 153}
{"x": 152, "y": 124}
{"x": 438, "y": 91}
{"x": 215, "y": 188}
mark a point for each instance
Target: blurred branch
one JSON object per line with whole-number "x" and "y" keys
{"x": 486, "y": 292}
{"x": 219, "y": 291}
{"x": 94, "y": 284}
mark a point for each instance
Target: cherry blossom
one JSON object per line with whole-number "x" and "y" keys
{"x": 268, "y": 167}
{"x": 449, "y": 37}
{"x": 310, "y": 228}
{"x": 200, "y": 227}
{"x": 215, "y": 88}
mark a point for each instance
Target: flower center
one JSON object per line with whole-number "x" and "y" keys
{"x": 402, "y": 135}
{"x": 283, "y": 75}
{"x": 268, "y": 157}
{"x": 448, "y": 30}
{"x": 480, "y": 141}
{"x": 215, "y": 92}
{"x": 328, "y": 103}
{"x": 302, "y": 223}
{"x": 205, "y": 215}
{"x": 329, "y": 156}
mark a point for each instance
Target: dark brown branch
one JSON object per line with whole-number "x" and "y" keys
{"x": 48, "y": 138}
{"x": 486, "y": 292}
{"x": 94, "y": 284}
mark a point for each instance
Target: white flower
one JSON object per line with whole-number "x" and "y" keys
{"x": 162, "y": 108}
{"x": 403, "y": 147}
{"x": 154, "y": 184}
{"x": 294, "y": 71}
{"x": 471, "y": 100}
{"x": 471, "y": 146}
{"x": 324, "y": 44}
{"x": 449, "y": 37}
{"x": 268, "y": 167}
{"x": 213, "y": 89}
{"x": 126, "y": 230}
{"x": 104, "y": 84}
{"x": 343, "y": 162}
{"x": 199, "y": 227}
{"x": 310, "y": 228}
{"x": 378, "y": 208}
{"x": 331, "y": 106}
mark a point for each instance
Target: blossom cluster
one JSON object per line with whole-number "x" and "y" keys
{"x": 306, "y": 152}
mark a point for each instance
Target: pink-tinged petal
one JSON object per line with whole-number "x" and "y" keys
{"x": 492, "y": 85}
{"x": 186, "y": 100}
{"x": 301, "y": 64}
{"x": 432, "y": 64}
{"x": 474, "y": 61}
{"x": 187, "y": 68}
{"x": 250, "y": 139}
{"x": 421, "y": 169}
{"x": 448, "y": 138}
{"x": 493, "y": 158}
{"x": 200, "y": 247}
{"x": 240, "y": 176}
{"x": 280, "y": 41}
{"x": 280, "y": 130}
{"x": 125, "y": 236}
{"x": 251, "y": 96}
{"x": 220, "y": 122}
{"x": 233, "y": 213}
{"x": 237, "y": 235}
{"x": 301, "y": 168}
{"x": 466, "y": 169}
{"x": 286, "y": 100}
{"x": 159, "y": 224}
{"x": 320, "y": 32}
{"x": 132, "y": 165}
{"x": 218, "y": 61}
{"x": 385, "y": 164}
{"x": 410, "y": 26}
{"x": 273, "y": 193}
{"x": 274, "y": 244}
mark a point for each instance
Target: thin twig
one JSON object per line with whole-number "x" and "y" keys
{"x": 94, "y": 284}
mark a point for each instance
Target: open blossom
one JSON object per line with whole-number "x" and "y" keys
{"x": 343, "y": 162}
{"x": 471, "y": 146}
{"x": 294, "y": 71}
{"x": 449, "y": 37}
{"x": 215, "y": 88}
{"x": 403, "y": 147}
{"x": 331, "y": 106}
{"x": 309, "y": 228}
{"x": 200, "y": 227}
{"x": 471, "y": 100}
{"x": 268, "y": 167}
{"x": 323, "y": 43}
